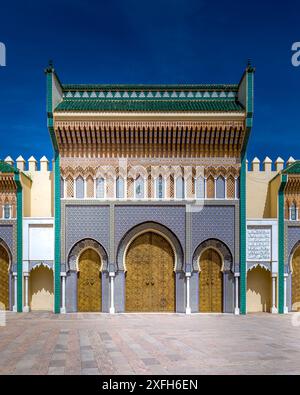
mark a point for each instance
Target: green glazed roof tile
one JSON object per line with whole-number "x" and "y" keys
{"x": 150, "y": 105}
{"x": 154, "y": 87}
{"x": 7, "y": 168}
{"x": 293, "y": 168}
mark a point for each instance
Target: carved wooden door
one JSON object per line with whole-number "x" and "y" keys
{"x": 4, "y": 279}
{"x": 211, "y": 283}
{"x": 296, "y": 281}
{"x": 89, "y": 282}
{"x": 150, "y": 281}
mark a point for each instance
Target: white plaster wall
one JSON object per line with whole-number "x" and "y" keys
{"x": 273, "y": 225}
{"x": 38, "y": 240}
{"x": 41, "y": 243}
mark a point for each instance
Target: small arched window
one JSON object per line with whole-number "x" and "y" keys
{"x": 200, "y": 188}
{"x": 220, "y": 188}
{"x": 79, "y": 188}
{"x": 180, "y": 193}
{"x": 100, "y": 188}
{"x": 160, "y": 187}
{"x": 62, "y": 188}
{"x": 293, "y": 212}
{"x": 7, "y": 211}
{"x": 237, "y": 188}
{"x": 139, "y": 188}
{"x": 120, "y": 188}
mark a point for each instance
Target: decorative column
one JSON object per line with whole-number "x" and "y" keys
{"x": 112, "y": 292}
{"x": 26, "y": 305}
{"x": 236, "y": 308}
{"x": 63, "y": 293}
{"x": 188, "y": 306}
{"x": 274, "y": 308}
{"x": 285, "y": 310}
{"x": 15, "y": 307}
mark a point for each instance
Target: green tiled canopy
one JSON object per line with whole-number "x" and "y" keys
{"x": 7, "y": 168}
{"x": 150, "y": 98}
{"x": 150, "y": 105}
{"x": 293, "y": 168}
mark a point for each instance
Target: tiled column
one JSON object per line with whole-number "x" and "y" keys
{"x": 15, "y": 308}
{"x": 286, "y": 310}
{"x": 236, "y": 307}
{"x": 188, "y": 305}
{"x": 112, "y": 293}
{"x": 63, "y": 293}
{"x": 26, "y": 305}
{"x": 274, "y": 308}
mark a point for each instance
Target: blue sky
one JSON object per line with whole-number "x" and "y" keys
{"x": 134, "y": 41}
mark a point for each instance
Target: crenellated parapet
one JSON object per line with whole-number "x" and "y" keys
{"x": 262, "y": 186}
{"x": 36, "y": 178}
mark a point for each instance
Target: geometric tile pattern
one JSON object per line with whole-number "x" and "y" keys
{"x": 126, "y": 217}
{"x": 214, "y": 222}
{"x": 7, "y": 235}
{"x": 86, "y": 222}
{"x": 293, "y": 238}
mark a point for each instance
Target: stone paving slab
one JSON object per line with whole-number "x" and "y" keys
{"x": 130, "y": 344}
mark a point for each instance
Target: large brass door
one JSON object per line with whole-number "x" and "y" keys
{"x": 211, "y": 283}
{"x": 4, "y": 279}
{"x": 150, "y": 278}
{"x": 296, "y": 281}
{"x": 89, "y": 282}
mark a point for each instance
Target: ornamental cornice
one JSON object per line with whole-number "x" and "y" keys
{"x": 147, "y": 124}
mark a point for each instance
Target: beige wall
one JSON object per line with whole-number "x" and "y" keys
{"x": 26, "y": 184}
{"x": 259, "y": 290}
{"x": 274, "y": 188}
{"x": 259, "y": 194}
{"x": 41, "y": 194}
{"x": 41, "y": 289}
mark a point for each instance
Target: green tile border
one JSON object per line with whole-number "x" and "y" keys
{"x": 281, "y": 244}
{"x": 57, "y": 209}
{"x": 19, "y": 243}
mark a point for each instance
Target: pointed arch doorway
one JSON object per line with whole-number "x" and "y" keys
{"x": 89, "y": 293}
{"x": 211, "y": 282}
{"x": 150, "y": 277}
{"x": 4, "y": 279}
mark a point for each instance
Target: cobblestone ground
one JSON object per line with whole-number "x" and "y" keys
{"x": 43, "y": 343}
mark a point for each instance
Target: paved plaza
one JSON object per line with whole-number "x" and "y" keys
{"x": 44, "y": 343}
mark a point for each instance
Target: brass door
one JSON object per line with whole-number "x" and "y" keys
{"x": 89, "y": 296}
{"x": 4, "y": 279}
{"x": 211, "y": 283}
{"x": 150, "y": 278}
{"x": 296, "y": 281}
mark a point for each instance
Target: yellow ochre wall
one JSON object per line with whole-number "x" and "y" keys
{"x": 37, "y": 183}
{"x": 259, "y": 291}
{"x": 41, "y": 194}
{"x": 262, "y": 190}
{"x": 41, "y": 289}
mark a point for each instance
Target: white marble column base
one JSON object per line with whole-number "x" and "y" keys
{"x": 236, "y": 311}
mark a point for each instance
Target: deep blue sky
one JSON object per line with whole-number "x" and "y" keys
{"x": 141, "y": 41}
